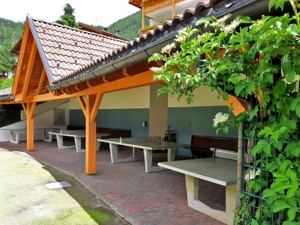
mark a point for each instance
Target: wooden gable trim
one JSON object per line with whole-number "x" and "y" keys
{"x": 32, "y": 55}
{"x": 21, "y": 58}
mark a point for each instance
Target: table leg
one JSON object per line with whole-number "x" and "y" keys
{"x": 114, "y": 155}
{"x": 78, "y": 144}
{"x": 148, "y": 155}
{"x": 98, "y": 146}
{"x": 113, "y": 152}
{"x": 14, "y": 137}
{"x": 60, "y": 143}
{"x": 171, "y": 154}
{"x": 44, "y": 133}
{"x": 192, "y": 189}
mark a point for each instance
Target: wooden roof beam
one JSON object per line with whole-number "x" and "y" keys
{"x": 142, "y": 79}
{"x": 41, "y": 82}
{"x": 27, "y": 76}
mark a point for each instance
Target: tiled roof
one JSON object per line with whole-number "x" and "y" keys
{"x": 5, "y": 93}
{"x": 68, "y": 50}
{"x": 147, "y": 38}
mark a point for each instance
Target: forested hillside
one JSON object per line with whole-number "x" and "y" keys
{"x": 10, "y": 30}
{"x": 129, "y": 26}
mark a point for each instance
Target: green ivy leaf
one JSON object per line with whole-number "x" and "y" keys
{"x": 261, "y": 145}
{"x": 292, "y": 213}
{"x": 291, "y": 192}
{"x": 266, "y": 132}
{"x": 279, "y": 89}
{"x": 254, "y": 222}
{"x": 269, "y": 193}
{"x": 295, "y": 106}
{"x": 253, "y": 113}
{"x": 234, "y": 79}
{"x": 280, "y": 205}
{"x": 276, "y": 3}
{"x": 293, "y": 149}
{"x": 284, "y": 165}
{"x": 239, "y": 88}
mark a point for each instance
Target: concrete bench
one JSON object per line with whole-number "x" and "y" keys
{"x": 14, "y": 134}
{"x": 201, "y": 145}
{"x": 221, "y": 170}
{"x": 77, "y": 135}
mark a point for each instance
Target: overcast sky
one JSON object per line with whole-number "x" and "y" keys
{"x": 92, "y": 12}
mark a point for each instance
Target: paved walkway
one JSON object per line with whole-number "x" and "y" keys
{"x": 141, "y": 198}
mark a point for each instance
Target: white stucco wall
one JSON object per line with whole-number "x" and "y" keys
{"x": 203, "y": 96}
{"x": 44, "y": 118}
{"x": 140, "y": 98}
{"x": 134, "y": 98}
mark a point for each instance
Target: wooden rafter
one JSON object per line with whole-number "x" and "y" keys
{"x": 32, "y": 55}
{"x": 29, "y": 108}
{"x": 95, "y": 106}
{"x": 125, "y": 73}
{"x": 41, "y": 82}
{"x": 82, "y": 104}
{"x": 142, "y": 79}
{"x": 90, "y": 105}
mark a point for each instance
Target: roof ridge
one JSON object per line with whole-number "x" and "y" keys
{"x": 77, "y": 29}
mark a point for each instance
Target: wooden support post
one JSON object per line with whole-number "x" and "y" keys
{"x": 90, "y": 109}
{"x": 173, "y": 9}
{"x": 143, "y": 18}
{"x": 29, "y": 111}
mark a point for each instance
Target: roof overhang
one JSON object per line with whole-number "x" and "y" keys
{"x": 153, "y": 43}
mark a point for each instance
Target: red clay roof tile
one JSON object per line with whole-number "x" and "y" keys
{"x": 69, "y": 49}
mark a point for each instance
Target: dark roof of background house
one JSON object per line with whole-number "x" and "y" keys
{"x": 89, "y": 28}
{"x": 5, "y": 94}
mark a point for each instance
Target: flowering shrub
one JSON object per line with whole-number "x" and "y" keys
{"x": 220, "y": 120}
{"x": 258, "y": 61}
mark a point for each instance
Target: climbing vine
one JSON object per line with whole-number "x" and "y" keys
{"x": 258, "y": 61}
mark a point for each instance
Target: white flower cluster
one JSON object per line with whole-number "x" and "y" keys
{"x": 220, "y": 118}
{"x": 221, "y": 21}
{"x": 156, "y": 69}
{"x": 252, "y": 174}
{"x": 168, "y": 48}
{"x": 229, "y": 29}
{"x": 182, "y": 35}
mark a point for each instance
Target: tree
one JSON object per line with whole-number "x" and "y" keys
{"x": 7, "y": 60}
{"x": 68, "y": 19}
{"x": 258, "y": 61}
